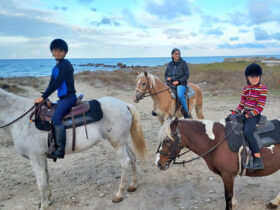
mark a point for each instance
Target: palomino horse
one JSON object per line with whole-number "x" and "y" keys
{"x": 164, "y": 103}
{"x": 119, "y": 120}
{"x": 207, "y": 139}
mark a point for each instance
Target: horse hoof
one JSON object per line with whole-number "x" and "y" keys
{"x": 271, "y": 206}
{"x": 117, "y": 199}
{"x": 131, "y": 189}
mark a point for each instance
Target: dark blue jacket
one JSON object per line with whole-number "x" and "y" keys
{"x": 177, "y": 71}
{"x": 62, "y": 80}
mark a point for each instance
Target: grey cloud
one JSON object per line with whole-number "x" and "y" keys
{"x": 93, "y": 9}
{"x": 209, "y": 21}
{"x": 131, "y": 20}
{"x": 238, "y": 18}
{"x": 85, "y": 1}
{"x": 261, "y": 34}
{"x": 234, "y": 38}
{"x": 169, "y": 9}
{"x": 242, "y": 45}
{"x": 216, "y": 31}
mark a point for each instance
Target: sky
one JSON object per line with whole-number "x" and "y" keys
{"x": 139, "y": 28}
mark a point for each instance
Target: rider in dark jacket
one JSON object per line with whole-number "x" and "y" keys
{"x": 177, "y": 72}
{"x": 62, "y": 80}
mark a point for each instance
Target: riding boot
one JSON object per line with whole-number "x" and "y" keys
{"x": 60, "y": 137}
{"x": 258, "y": 163}
{"x": 154, "y": 113}
{"x": 186, "y": 116}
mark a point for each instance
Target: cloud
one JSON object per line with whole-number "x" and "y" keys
{"x": 243, "y": 30}
{"x": 209, "y": 21}
{"x": 93, "y": 9}
{"x": 263, "y": 11}
{"x": 105, "y": 21}
{"x": 261, "y": 34}
{"x": 234, "y": 38}
{"x": 242, "y": 45}
{"x": 238, "y": 18}
{"x": 169, "y": 9}
{"x": 86, "y": 1}
{"x": 131, "y": 20}
{"x": 34, "y": 26}
{"x": 217, "y": 32}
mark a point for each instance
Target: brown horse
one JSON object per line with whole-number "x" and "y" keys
{"x": 207, "y": 139}
{"x": 164, "y": 103}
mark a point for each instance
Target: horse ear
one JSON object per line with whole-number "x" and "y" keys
{"x": 176, "y": 121}
{"x": 136, "y": 73}
{"x": 145, "y": 73}
{"x": 174, "y": 124}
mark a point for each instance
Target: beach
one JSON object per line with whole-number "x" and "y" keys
{"x": 88, "y": 180}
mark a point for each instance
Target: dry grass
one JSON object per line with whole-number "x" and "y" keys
{"x": 215, "y": 78}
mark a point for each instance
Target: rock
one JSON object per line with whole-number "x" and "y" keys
{"x": 101, "y": 195}
{"x": 210, "y": 178}
{"x": 211, "y": 192}
{"x": 208, "y": 200}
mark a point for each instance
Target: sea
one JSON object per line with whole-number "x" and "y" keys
{"x": 43, "y": 67}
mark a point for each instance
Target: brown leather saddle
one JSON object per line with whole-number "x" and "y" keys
{"x": 46, "y": 110}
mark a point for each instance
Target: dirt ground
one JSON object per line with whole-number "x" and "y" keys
{"x": 89, "y": 180}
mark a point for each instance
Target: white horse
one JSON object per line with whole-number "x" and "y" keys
{"x": 119, "y": 120}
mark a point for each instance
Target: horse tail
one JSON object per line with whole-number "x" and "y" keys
{"x": 136, "y": 133}
{"x": 199, "y": 102}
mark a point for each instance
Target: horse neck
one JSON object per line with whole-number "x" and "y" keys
{"x": 193, "y": 140}
{"x": 159, "y": 86}
{"x": 12, "y": 106}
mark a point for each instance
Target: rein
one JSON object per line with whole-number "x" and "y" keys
{"x": 178, "y": 141}
{"x": 19, "y": 117}
{"x": 152, "y": 93}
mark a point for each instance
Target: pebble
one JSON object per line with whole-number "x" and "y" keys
{"x": 101, "y": 195}
{"x": 208, "y": 200}
{"x": 210, "y": 178}
{"x": 73, "y": 198}
{"x": 211, "y": 192}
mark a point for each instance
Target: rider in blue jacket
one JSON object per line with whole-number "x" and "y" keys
{"x": 62, "y": 80}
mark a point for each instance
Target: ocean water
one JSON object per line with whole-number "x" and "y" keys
{"x": 43, "y": 67}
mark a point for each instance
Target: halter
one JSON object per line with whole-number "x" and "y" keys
{"x": 143, "y": 94}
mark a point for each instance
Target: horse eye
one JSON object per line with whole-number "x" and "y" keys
{"x": 144, "y": 83}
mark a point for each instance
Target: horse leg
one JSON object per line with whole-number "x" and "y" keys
{"x": 133, "y": 185}
{"x": 40, "y": 167}
{"x": 273, "y": 204}
{"x": 124, "y": 161}
{"x": 228, "y": 180}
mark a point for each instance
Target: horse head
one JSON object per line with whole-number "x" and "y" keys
{"x": 170, "y": 147}
{"x": 143, "y": 84}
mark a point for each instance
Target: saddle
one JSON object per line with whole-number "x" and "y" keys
{"x": 188, "y": 94}
{"x": 82, "y": 113}
{"x": 266, "y": 133}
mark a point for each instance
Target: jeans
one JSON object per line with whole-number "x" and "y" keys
{"x": 181, "y": 89}
{"x": 248, "y": 131}
{"x": 63, "y": 107}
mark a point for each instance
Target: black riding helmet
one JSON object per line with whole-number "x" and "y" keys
{"x": 253, "y": 70}
{"x": 60, "y": 44}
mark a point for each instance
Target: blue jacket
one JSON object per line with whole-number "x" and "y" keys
{"x": 62, "y": 80}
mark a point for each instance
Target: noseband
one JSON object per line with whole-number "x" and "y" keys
{"x": 174, "y": 148}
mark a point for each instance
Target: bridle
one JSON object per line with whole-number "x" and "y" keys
{"x": 143, "y": 93}
{"x": 178, "y": 146}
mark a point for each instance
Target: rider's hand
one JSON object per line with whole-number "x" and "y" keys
{"x": 175, "y": 82}
{"x": 241, "y": 118}
{"x": 169, "y": 78}
{"x": 38, "y": 100}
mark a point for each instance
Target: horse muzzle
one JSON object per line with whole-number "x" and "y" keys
{"x": 163, "y": 166}
{"x": 138, "y": 97}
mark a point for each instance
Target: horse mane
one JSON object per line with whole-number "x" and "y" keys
{"x": 165, "y": 130}
{"x": 150, "y": 77}
{"x": 196, "y": 125}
